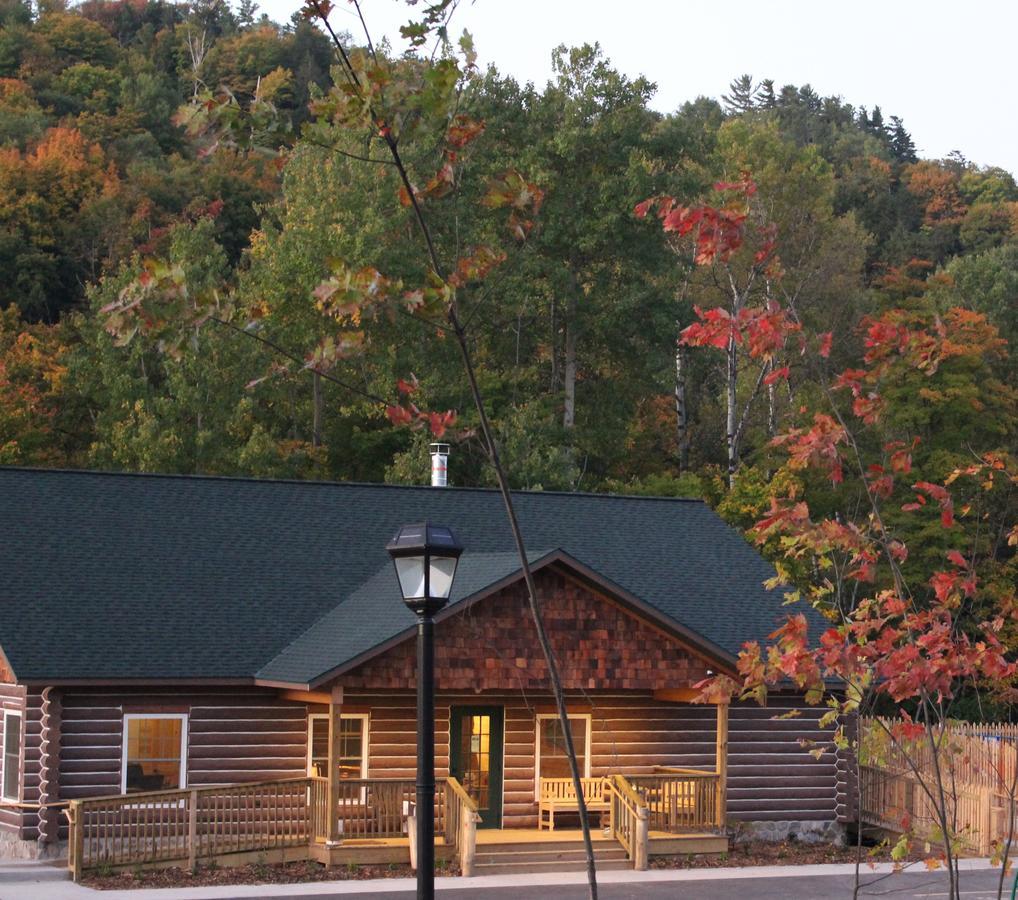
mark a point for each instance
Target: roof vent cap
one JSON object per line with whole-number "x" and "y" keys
{"x": 439, "y": 465}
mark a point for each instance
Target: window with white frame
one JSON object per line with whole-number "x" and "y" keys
{"x": 550, "y": 758}
{"x": 11, "y": 776}
{"x": 353, "y": 745}
{"x": 155, "y": 752}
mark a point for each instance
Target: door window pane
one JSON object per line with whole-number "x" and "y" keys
{"x": 475, "y": 753}
{"x": 153, "y": 761}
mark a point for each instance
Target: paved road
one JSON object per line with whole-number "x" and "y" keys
{"x": 26, "y": 881}
{"x": 919, "y": 886}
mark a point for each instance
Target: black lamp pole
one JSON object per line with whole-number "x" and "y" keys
{"x": 425, "y": 557}
{"x": 425, "y": 756}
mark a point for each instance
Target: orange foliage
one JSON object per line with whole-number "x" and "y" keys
{"x": 937, "y": 188}
{"x": 32, "y": 370}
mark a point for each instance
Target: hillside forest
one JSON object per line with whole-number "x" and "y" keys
{"x": 205, "y": 138}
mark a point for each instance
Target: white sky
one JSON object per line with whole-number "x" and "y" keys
{"x": 945, "y": 67}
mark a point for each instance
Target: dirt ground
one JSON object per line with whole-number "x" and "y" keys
{"x": 287, "y": 873}
{"x": 774, "y": 853}
{"x": 750, "y": 853}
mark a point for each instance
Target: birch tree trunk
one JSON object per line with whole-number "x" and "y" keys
{"x": 569, "y": 373}
{"x": 731, "y": 425}
{"x": 681, "y": 408}
{"x": 317, "y": 403}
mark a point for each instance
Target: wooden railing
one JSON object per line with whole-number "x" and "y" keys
{"x": 461, "y": 818}
{"x": 371, "y": 807}
{"x": 318, "y": 798}
{"x": 158, "y": 826}
{"x": 203, "y": 823}
{"x": 678, "y": 801}
{"x": 629, "y": 820}
{"x": 979, "y": 769}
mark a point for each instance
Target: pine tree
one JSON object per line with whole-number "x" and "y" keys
{"x": 765, "y": 97}
{"x": 876, "y": 124}
{"x": 901, "y": 142}
{"x": 740, "y": 100}
{"x": 246, "y": 13}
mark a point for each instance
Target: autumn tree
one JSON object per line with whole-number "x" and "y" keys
{"x": 33, "y": 393}
{"x": 752, "y": 254}
{"x": 384, "y": 103}
{"x": 914, "y": 586}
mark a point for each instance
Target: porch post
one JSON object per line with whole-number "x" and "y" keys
{"x": 721, "y": 761}
{"x": 335, "y": 711}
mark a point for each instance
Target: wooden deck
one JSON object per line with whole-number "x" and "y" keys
{"x": 397, "y": 850}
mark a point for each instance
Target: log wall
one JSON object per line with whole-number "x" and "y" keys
{"x": 249, "y": 735}
{"x": 233, "y": 736}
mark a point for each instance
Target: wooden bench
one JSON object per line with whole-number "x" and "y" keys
{"x": 559, "y": 795}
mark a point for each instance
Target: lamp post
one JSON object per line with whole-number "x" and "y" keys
{"x": 425, "y": 557}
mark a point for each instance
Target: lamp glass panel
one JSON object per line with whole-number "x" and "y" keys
{"x": 443, "y": 568}
{"x": 410, "y": 572}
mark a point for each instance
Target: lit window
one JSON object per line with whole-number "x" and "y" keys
{"x": 154, "y": 753}
{"x": 353, "y": 740}
{"x": 12, "y": 756}
{"x": 552, "y": 761}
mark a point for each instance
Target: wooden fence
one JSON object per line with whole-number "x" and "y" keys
{"x": 978, "y": 765}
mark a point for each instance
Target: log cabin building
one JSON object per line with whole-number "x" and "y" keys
{"x": 184, "y": 634}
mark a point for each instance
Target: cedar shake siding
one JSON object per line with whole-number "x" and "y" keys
{"x": 493, "y": 644}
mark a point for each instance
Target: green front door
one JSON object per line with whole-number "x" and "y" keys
{"x": 475, "y": 757}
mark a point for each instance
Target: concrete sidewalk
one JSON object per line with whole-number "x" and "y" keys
{"x": 29, "y": 880}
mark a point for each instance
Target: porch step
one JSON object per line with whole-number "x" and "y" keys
{"x": 507, "y": 859}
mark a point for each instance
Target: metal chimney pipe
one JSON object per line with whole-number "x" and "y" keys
{"x": 439, "y": 465}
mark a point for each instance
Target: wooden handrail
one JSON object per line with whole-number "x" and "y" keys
{"x": 682, "y": 770}
{"x": 626, "y": 791}
{"x": 468, "y": 802}
{"x": 629, "y": 820}
{"x": 181, "y": 793}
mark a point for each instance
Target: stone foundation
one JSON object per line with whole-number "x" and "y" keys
{"x": 806, "y": 831}
{"x": 12, "y": 847}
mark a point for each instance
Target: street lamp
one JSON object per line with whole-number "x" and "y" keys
{"x": 425, "y": 557}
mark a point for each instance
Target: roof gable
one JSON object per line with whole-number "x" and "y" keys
{"x": 492, "y": 643}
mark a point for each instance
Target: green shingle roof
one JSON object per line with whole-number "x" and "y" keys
{"x": 123, "y": 576}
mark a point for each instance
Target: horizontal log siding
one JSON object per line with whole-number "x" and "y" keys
{"x": 12, "y": 697}
{"x": 770, "y": 775}
{"x": 233, "y": 736}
